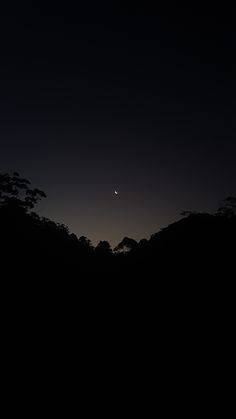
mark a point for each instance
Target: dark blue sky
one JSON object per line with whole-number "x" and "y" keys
{"x": 128, "y": 100}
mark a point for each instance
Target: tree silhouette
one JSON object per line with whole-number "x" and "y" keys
{"x": 126, "y": 245}
{"x": 103, "y": 248}
{"x": 85, "y": 247}
{"x": 228, "y": 207}
{"x": 85, "y": 242}
{"x": 15, "y": 193}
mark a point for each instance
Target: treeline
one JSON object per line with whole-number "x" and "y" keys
{"x": 30, "y": 243}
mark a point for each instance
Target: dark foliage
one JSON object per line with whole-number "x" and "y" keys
{"x": 166, "y": 298}
{"x": 126, "y": 245}
{"x": 198, "y": 244}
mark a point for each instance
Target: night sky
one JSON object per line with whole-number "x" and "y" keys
{"x": 93, "y": 101}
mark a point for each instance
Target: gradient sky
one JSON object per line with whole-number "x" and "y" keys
{"x": 133, "y": 101}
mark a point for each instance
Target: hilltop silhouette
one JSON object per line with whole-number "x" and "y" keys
{"x": 198, "y": 244}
